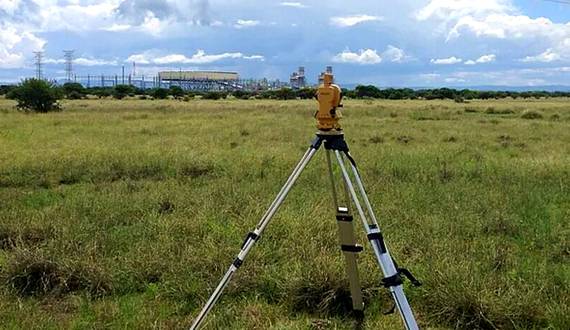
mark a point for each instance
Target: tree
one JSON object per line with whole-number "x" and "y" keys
{"x": 36, "y": 95}
{"x": 120, "y": 91}
{"x": 285, "y": 94}
{"x": 176, "y": 91}
{"x": 159, "y": 93}
{"x": 367, "y": 91}
{"x": 73, "y": 90}
{"x": 5, "y": 89}
{"x": 306, "y": 93}
{"x": 214, "y": 96}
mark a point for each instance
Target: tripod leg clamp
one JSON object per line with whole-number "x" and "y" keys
{"x": 250, "y": 235}
{"x": 376, "y": 235}
{"x": 237, "y": 262}
{"x": 397, "y": 279}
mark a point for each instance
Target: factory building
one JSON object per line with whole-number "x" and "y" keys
{"x": 321, "y": 76}
{"x": 297, "y": 79}
{"x": 197, "y": 75}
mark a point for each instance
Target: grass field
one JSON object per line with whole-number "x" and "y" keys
{"x": 125, "y": 214}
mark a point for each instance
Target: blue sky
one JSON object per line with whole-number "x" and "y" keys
{"x": 388, "y": 43}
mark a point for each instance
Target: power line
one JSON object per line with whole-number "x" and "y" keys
{"x": 39, "y": 55}
{"x": 68, "y": 56}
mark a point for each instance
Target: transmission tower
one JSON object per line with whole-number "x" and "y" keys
{"x": 39, "y": 56}
{"x": 68, "y": 56}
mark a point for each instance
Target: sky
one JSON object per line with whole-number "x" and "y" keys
{"x": 429, "y": 43}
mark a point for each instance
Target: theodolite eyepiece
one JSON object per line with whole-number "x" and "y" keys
{"x": 329, "y": 97}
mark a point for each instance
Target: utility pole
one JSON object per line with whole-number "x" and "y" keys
{"x": 68, "y": 56}
{"x": 39, "y": 55}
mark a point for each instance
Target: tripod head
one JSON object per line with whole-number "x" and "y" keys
{"x": 329, "y": 97}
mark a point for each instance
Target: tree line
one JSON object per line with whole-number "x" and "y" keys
{"x": 31, "y": 90}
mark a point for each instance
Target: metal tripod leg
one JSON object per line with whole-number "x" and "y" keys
{"x": 391, "y": 276}
{"x": 252, "y": 237}
{"x": 348, "y": 244}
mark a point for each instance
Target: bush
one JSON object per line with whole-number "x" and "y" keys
{"x": 306, "y": 93}
{"x": 121, "y": 91}
{"x": 5, "y": 89}
{"x": 214, "y": 96}
{"x": 160, "y": 93}
{"x": 494, "y": 111}
{"x": 531, "y": 114}
{"x": 285, "y": 94}
{"x": 176, "y": 91}
{"x": 36, "y": 95}
{"x": 73, "y": 91}
{"x": 101, "y": 92}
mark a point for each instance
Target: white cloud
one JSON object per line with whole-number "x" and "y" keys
{"x": 82, "y": 61}
{"x": 117, "y": 27}
{"x": 483, "y": 59}
{"x": 75, "y": 17}
{"x": 446, "y": 61}
{"x": 371, "y": 56}
{"x": 200, "y": 57}
{"x": 292, "y": 4}
{"x": 365, "y": 56}
{"x": 93, "y": 62}
{"x": 245, "y": 23}
{"x": 254, "y": 57}
{"x": 499, "y": 19}
{"x": 139, "y": 58}
{"x": 449, "y": 10}
{"x": 454, "y": 80}
{"x": 547, "y": 56}
{"x": 395, "y": 54}
{"x": 347, "y": 21}
{"x": 16, "y": 46}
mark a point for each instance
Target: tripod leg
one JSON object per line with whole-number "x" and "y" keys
{"x": 252, "y": 237}
{"x": 348, "y": 244}
{"x": 392, "y": 278}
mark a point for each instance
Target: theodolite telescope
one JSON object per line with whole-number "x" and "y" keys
{"x": 329, "y": 96}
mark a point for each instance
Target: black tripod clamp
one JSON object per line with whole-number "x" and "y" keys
{"x": 332, "y": 142}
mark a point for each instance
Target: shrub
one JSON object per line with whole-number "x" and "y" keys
{"x": 531, "y": 114}
{"x": 285, "y": 94}
{"x": 121, "y": 91}
{"x": 176, "y": 91}
{"x": 160, "y": 93}
{"x": 306, "y": 93}
{"x": 73, "y": 91}
{"x": 5, "y": 89}
{"x": 36, "y": 95}
{"x": 213, "y": 96}
{"x": 101, "y": 92}
{"x": 494, "y": 111}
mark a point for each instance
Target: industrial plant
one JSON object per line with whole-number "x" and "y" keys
{"x": 190, "y": 80}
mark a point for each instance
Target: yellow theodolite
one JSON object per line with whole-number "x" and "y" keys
{"x": 329, "y": 97}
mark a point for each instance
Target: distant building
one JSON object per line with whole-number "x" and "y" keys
{"x": 321, "y": 76}
{"x": 197, "y": 75}
{"x": 297, "y": 79}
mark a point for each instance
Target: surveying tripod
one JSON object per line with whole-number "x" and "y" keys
{"x": 334, "y": 142}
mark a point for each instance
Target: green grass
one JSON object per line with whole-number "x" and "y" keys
{"x": 125, "y": 214}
